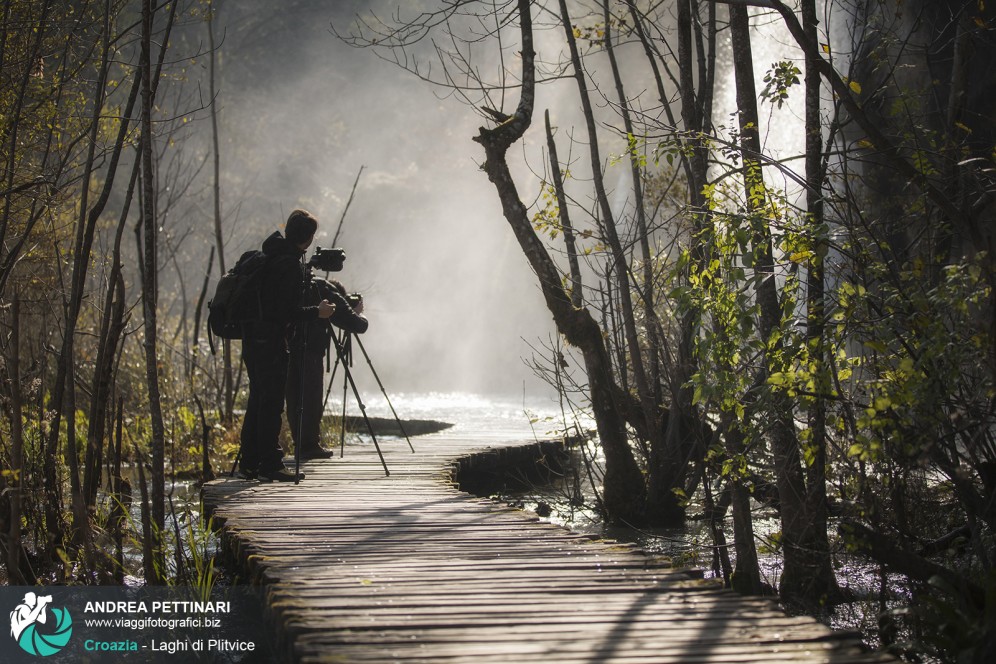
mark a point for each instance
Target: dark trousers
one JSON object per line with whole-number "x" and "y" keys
{"x": 305, "y": 383}
{"x": 266, "y": 364}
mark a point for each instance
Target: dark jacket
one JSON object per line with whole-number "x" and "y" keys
{"x": 282, "y": 290}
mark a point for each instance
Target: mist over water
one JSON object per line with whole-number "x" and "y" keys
{"x": 451, "y": 300}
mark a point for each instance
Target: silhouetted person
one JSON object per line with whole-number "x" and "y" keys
{"x": 265, "y": 346}
{"x": 305, "y": 377}
{"x": 27, "y": 613}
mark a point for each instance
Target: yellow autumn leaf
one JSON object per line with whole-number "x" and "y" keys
{"x": 855, "y": 87}
{"x": 800, "y": 256}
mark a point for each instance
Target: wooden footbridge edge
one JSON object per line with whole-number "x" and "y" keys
{"x": 358, "y": 566}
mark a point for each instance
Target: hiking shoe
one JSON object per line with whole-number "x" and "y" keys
{"x": 316, "y": 453}
{"x": 279, "y": 475}
{"x": 247, "y": 474}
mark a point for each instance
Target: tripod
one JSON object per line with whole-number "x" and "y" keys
{"x": 343, "y": 352}
{"x": 344, "y": 355}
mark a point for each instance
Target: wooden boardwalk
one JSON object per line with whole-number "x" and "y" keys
{"x": 363, "y": 567}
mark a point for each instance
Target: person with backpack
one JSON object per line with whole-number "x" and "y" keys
{"x": 305, "y": 377}
{"x": 265, "y": 351}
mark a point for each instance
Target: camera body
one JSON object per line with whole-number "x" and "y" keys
{"x": 328, "y": 260}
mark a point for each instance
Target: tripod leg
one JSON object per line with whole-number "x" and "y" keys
{"x": 328, "y": 389}
{"x": 384, "y": 392}
{"x": 363, "y": 408}
{"x": 300, "y": 406}
{"x": 342, "y": 420}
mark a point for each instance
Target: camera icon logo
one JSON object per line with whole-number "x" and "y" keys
{"x": 31, "y": 628}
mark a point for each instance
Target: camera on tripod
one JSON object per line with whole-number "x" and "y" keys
{"x": 328, "y": 260}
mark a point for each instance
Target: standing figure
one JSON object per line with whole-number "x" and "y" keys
{"x": 265, "y": 346}
{"x": 305, "y": 378}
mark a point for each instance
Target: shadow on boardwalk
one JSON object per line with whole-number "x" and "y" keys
{"x": 362, "y": 567}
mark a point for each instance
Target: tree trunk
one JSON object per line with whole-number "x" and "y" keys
{"x": 643, "y": 236}
{"x": 118, "y": 516}
{"x": 110, "y": 329}
{"x": 667, "y": 459}
{"x": 149, "y": 297}
{"x": 807, "y": 575}
{"x": 747, "y": 575}
{"x": 228, "y": 382}
{"x": 623, "y": 496}
{"x": 577, "y": 294}
{"x": 815, "y": 308}
{"x": 82, "y": 248}
{"x": 620, "y": 266}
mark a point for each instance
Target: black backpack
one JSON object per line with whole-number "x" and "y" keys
{"x": 237, "y": 298}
